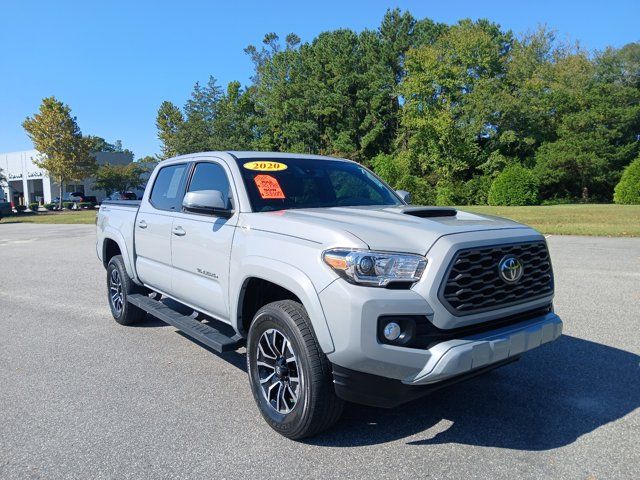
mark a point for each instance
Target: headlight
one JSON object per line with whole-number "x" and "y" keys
{"x": 377, "y": 269}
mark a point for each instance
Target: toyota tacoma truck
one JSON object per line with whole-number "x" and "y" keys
{"x": 337, "y": 286}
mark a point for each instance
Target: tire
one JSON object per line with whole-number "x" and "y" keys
{"x": 295, "y": 409}
{"x": 119, "y": 286}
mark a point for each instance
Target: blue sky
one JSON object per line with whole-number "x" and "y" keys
{"x": 114, "y": 62}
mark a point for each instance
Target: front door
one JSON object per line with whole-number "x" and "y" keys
{"x": 201, "y": 246}
{"x": 153, "y": 227}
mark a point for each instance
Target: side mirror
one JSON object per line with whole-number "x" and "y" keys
{"x": 208, "y": 202}
{"x": 404, "y": 195}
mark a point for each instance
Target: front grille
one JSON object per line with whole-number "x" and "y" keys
{"x": 473, "y": 284}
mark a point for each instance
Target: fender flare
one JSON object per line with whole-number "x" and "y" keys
{"x": 289, "y": 277}
{"x": 111, "y": 233}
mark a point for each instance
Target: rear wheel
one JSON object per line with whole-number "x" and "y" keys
{"x": 119, "y": 286}
{"x": 290, "y": 376}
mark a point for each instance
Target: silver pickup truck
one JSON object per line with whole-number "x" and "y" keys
{"x": 339, "y": 289}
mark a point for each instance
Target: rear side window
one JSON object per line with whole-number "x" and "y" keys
{"x": 168, "y": 189}
{"x": 210, "y": 176}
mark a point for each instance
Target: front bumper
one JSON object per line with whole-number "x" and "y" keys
{"x": 352, "y": 314}
{"x": 449, "y": 362}
{"x": 456, "y": 357}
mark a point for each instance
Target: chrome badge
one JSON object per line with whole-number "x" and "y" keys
{"x": 510, "y": 269}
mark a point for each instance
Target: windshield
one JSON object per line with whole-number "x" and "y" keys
{"x": 285, "y": 183}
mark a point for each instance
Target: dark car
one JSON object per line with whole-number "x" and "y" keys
{"x": 5, "y": 209}
{"x": 122, "y": 196}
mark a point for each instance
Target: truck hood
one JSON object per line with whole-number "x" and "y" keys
{"x": 378, "y": 228}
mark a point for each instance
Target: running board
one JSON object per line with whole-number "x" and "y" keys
{"x": 205, "y": 334}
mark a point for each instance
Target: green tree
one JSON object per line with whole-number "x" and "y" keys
{"x": 201, "y": 109}
{"x": 168, "y": 122}
{"x": 64, "y": 153}
{"x": 335, "y": 95}
{"x": 284, "y": 116}
{"x": 234, "y": 125}
{"x": 443, "y": 132}
{"x": 99, "y": 144}
{"x": 212, "y": 120}
{"x": 148, "y": 161}
{"x": 121, "y": 178}
{"x": 517, "y": 106}
{"x": 596, "y": 135}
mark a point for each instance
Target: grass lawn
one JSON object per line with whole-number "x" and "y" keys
{"x": 602, "y": 220}
{"x": 80, "y": 216}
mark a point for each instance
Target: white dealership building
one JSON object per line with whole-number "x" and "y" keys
{"x": 26, "y": 182}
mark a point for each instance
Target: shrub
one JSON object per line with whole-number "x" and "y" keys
{"x": 50, "y": 206}
{"x": 34, "y": 206}
{"x": 477, "y": 190}
{"x": 86, "y": 205}
{"x": 445, "y": 193}
{"x": 20, "y": 208}
{"x": 67, "y": 205}
{"x": 516, "y": 185}
{"x": 627, "y": 191}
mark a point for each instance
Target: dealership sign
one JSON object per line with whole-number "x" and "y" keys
{"x": 18, "y": 176}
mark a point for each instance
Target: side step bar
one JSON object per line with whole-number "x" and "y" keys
{"x": 205, "y": 334}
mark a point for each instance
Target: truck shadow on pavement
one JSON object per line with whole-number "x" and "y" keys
{"x": 548, "y": 399}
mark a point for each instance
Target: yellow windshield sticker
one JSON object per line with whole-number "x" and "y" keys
{"x": 265, "y": 166}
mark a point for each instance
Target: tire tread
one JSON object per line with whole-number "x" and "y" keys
{"x": 130, "y": 314}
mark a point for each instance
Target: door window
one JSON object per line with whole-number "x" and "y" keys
{"x": 168, "y": 188}
{"x": 211, "y": 176}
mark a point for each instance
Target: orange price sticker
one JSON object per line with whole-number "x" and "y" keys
{"x": 268, "y": 187}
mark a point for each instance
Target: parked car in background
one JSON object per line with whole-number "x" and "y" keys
{"x": 5, "y": 209}
{"x": 70, "y": 197}
{"x": 88, "y": 202}
{"x": 122, "y": 196}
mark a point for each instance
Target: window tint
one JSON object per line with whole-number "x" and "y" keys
{"x": 348, "y": 186}
{"x": 168, "y": 188}
{"x": 210, "y": 176}
{"x": 283, "y": 183}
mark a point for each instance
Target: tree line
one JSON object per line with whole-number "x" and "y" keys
{"x": 458, "y": 114}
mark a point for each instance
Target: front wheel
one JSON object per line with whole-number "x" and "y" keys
{"x": 290, "y": 376}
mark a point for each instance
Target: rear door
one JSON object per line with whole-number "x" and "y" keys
{"x": 153, "y": 226}
{"x": 201, "y": 245}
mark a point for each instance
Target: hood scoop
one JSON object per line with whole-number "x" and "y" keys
{"x": 430, "y": 212}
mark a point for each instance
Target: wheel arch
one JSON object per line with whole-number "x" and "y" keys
{"x": 279, "y": 281}
{"x": 113, "y": 243}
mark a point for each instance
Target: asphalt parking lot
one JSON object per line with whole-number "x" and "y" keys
{"x": 82, "y": 397}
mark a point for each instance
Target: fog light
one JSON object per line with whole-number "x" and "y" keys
{"x": 392, "y": 331}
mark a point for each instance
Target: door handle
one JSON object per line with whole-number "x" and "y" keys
{"x": 179, "y": 231}
{"x": 142, "y": 224}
